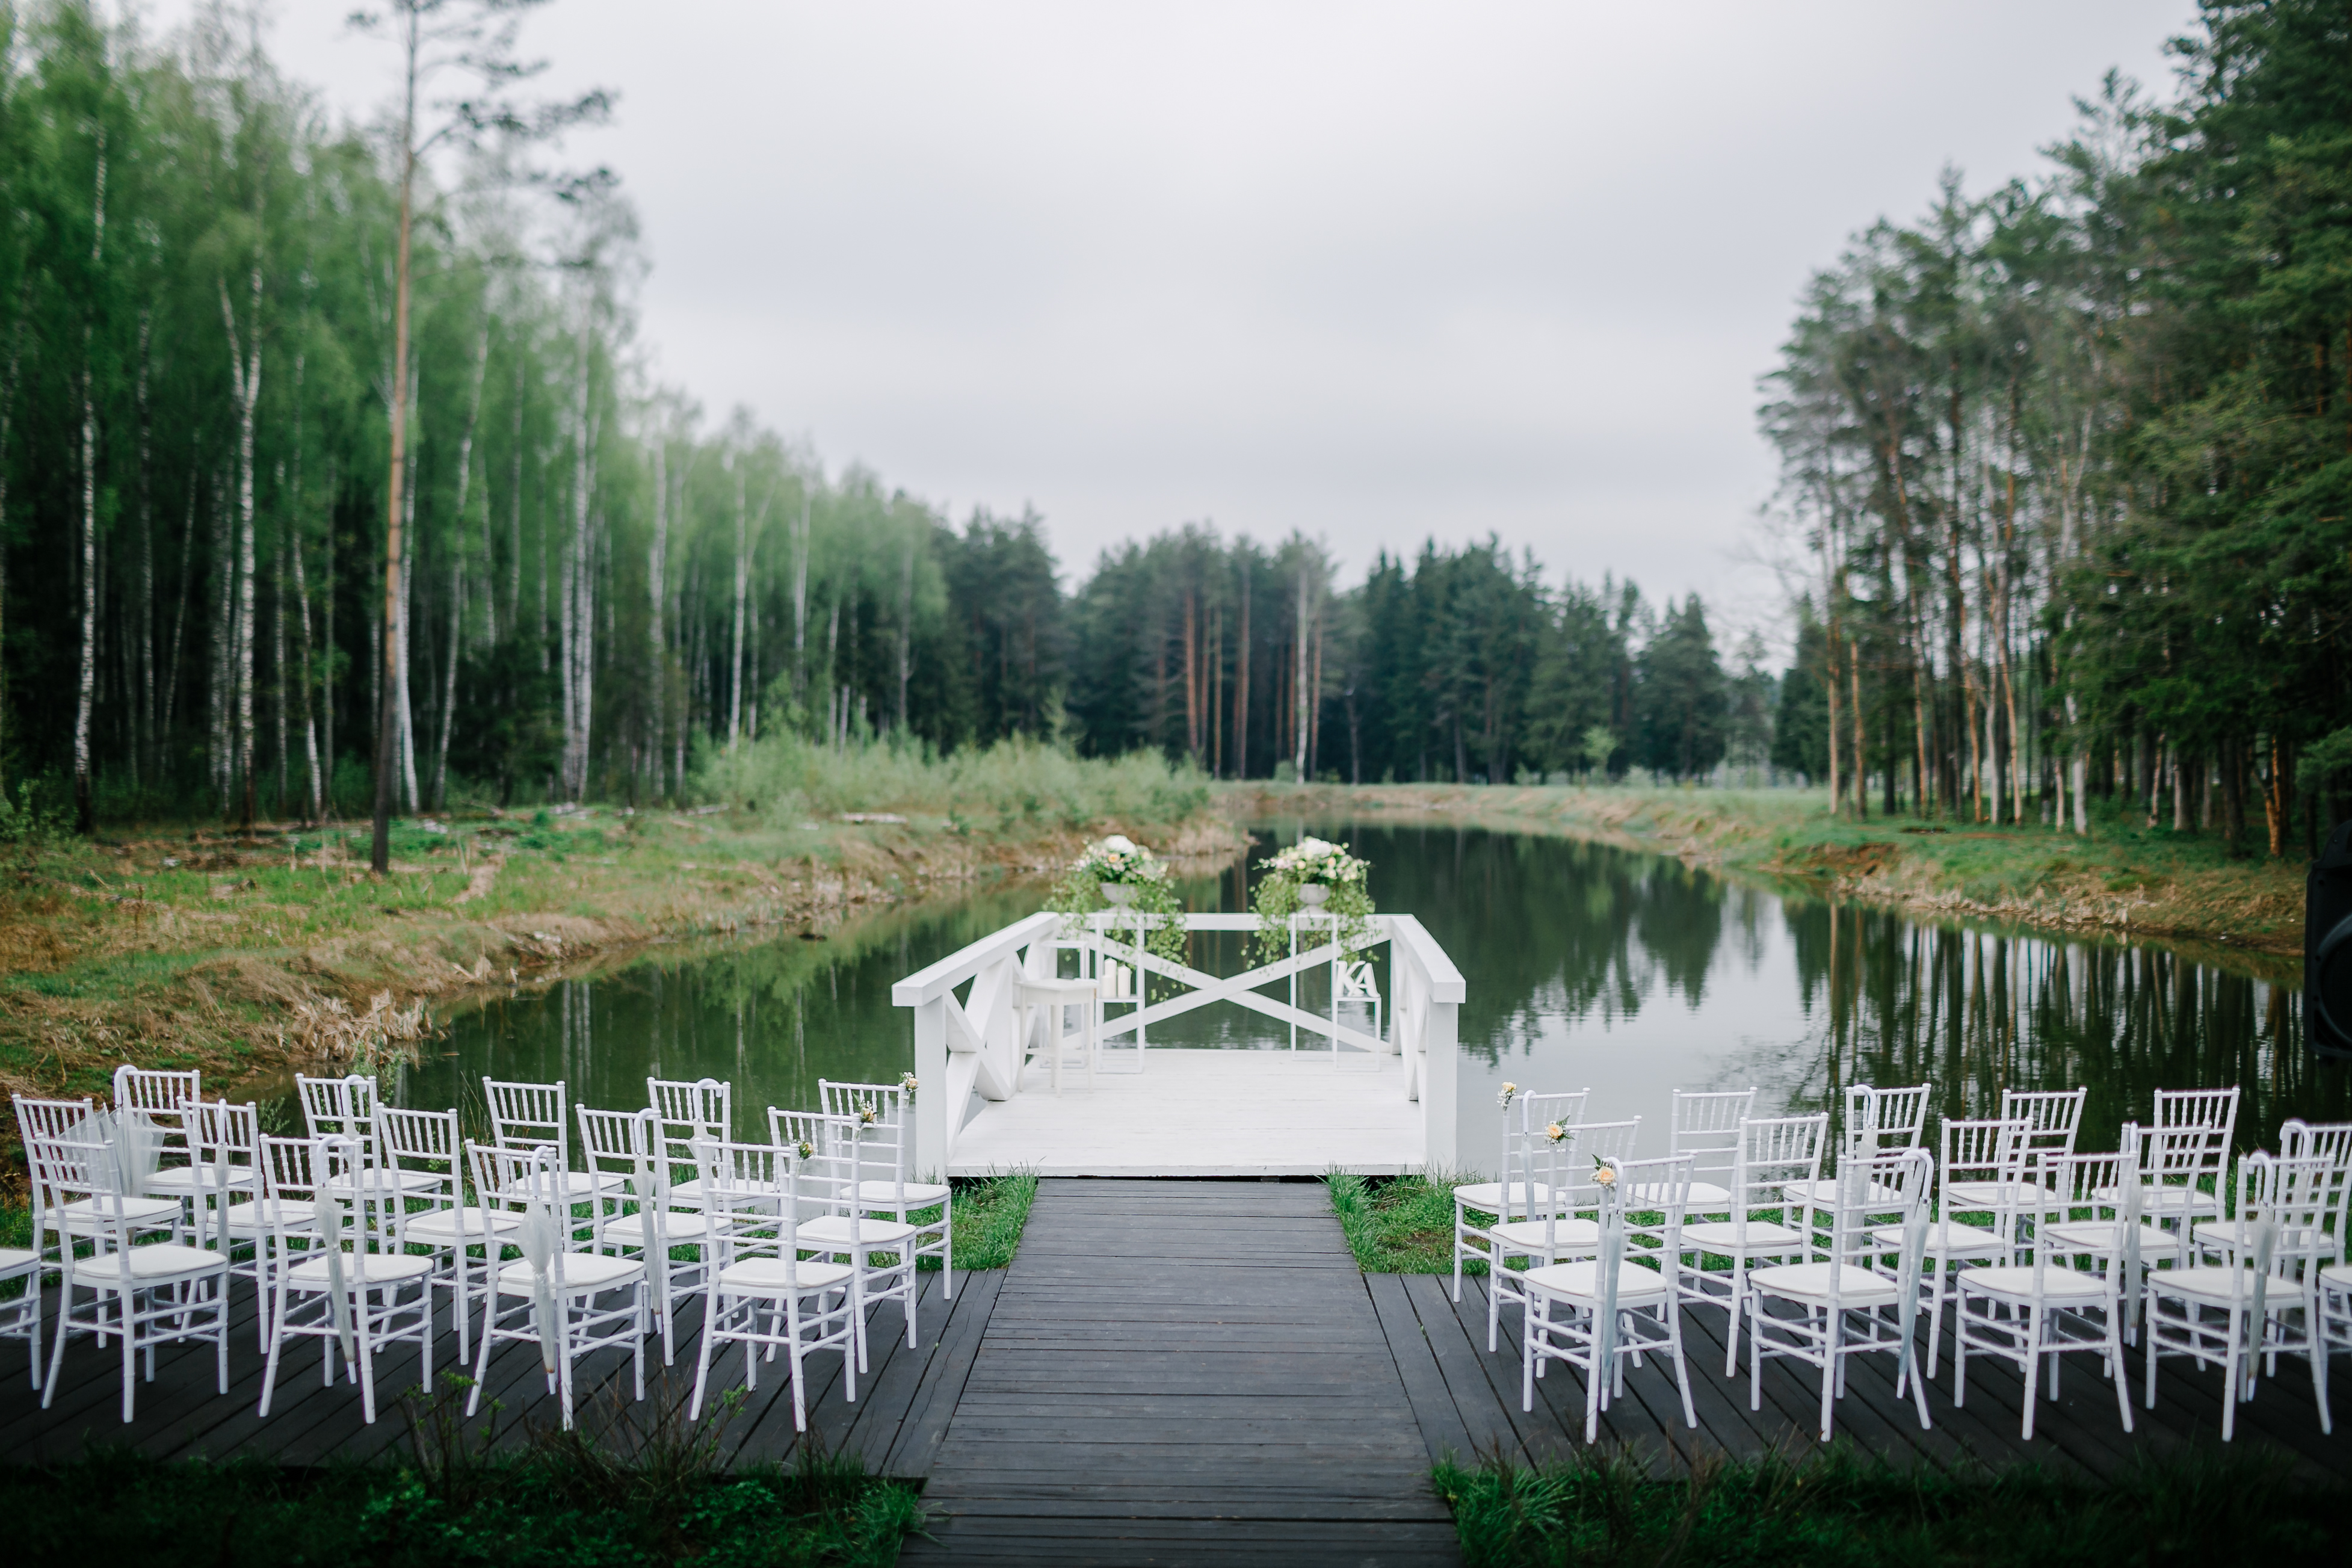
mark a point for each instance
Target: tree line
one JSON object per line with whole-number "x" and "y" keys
{"x": 201, "y": 300}
{"x": 2068, "y": 462}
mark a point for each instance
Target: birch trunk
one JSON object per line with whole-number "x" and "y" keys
{"x": 743, "y": 587}
{"x": 657, "y": 555}
{"x": 245, "y": 387}
{"x": 7, "y": 410}
{"x": 85, "y": 791}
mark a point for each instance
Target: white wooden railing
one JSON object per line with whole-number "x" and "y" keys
{"x": 971, "y": 1044}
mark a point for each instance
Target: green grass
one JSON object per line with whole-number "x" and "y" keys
{"x": 1401, "y": 1225}
{"x": 546, "y": 1508}
{"x": 1840, "y": 1508}
{"x": 988, "y": 1214}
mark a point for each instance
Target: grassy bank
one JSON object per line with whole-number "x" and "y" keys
{"x": 2125, "y": 879}
{"x": 248, "y": 953}
{"x": 561, "y": 1504}
{"x": 1844, "y": 1507}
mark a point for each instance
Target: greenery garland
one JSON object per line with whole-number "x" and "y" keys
{"x": 1116, "y": 861}
{"x": 1311, "y": 862}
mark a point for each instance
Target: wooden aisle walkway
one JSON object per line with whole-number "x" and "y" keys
{"x": 1182, "y": 1371}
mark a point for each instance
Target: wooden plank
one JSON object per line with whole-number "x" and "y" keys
{"x": 1443, "y": 1431}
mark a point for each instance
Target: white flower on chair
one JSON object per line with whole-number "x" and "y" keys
{"x": 1555, "y": 1132}
{"x": 906, "y": 1082}
{"x": 1604, "y": 1172}
{"x": 1504, "y": 1100}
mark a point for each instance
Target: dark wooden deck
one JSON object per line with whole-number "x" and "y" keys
{"x": 1185, "y": 1372}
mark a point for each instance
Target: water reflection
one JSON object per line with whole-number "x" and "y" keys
{"x": 1630, "y": 972}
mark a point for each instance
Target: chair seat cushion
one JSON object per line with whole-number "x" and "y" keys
{"x": 2214, "y": 1287}
{"x": 85, "y": 1216}
{"x": 2169, "y": 1198}
{"x": 1811, "y": 1282}
{"x": 149, "y": 1265}
{"x": 2104, "y": 1238}
{"x": 1580, "y": 1281}
{"x": 443, "y": 1227}
{"x": 885, "y": 1233}
{"x": 1980, "y": 1197}
{"x": 1705, "y": 1197}
{"x": 369, "y": 1267}
{"x": 1763, "y": 1237}
{"x": 2014, "y": 1282}
{"x": 183, "y": 1179}
{"x": 16, "y": 1260}
{"x": 2338, "y": 1275}
{"x": 1567, "y": 1236}
{"x": 1824, "y": 1193}
{"x": 885, "y": 1195}
{"x": 2229, "y": 1234}
{"x": 1950, "y": 1237}
{"x": 582, "y": 1271}
{"x": 578, "y": 1186}
{"x": 1488, "y": 1196}
{"x": 263, "y": 1214}
{"x": 765, "y": 1277}
{"x": 389, "y": 1180}
{"x": 682, "y": 1229}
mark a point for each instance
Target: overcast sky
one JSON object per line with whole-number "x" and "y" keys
{"x": 1373, "y": 271}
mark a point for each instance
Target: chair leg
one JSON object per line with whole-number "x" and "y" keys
{"x": 129, "y": 1354}
{"x": 2032, "y": 1366}
{"x": 482, "y": 1349}
{"x": 1731, "y": 1330}
{"x": 1829, "y": 1367}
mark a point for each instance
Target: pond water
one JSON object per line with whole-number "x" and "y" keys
{"x": 1587, "y": 966}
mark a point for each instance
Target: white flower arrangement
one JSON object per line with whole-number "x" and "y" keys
{"x": 906, "y": 1082}
{"x": 1341, "y": 897}
{"x": 1119, "y": 860}
{"x": 1320, "y": 861}
{"x": 1510, "y": 1090}
{"x": 1556, "y": 1132}
{"x": 1604, "y": 1172}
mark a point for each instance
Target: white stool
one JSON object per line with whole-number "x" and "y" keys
{"x": 1054, "y": 996}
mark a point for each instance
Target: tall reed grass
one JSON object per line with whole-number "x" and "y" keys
{"x": 1013, "y": 783}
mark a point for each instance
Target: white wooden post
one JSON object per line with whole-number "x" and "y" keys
{"x": 932, "y": 1144}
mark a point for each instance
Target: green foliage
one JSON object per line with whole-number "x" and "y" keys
{"x": 1347, "y": 898}
{"x": 1401, "y": 1225}
{"x": 551, "y": 1506}
{"x": 784, "y": 779}
{"x": 1840, "y": 1507}
{"x": 988, "y": 1214}
{"x": 1152, "y": 899}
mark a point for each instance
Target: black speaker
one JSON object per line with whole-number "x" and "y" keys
{"x": 2327, "y": 947}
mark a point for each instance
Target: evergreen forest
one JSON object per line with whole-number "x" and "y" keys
{"x": 2066, "y": 470}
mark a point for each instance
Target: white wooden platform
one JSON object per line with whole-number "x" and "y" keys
{"x": 1386, "y": 1109}
{"x": 1203, "y": 1113}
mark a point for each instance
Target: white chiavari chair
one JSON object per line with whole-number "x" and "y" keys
{"x": 762, "y": 1293}
{"x": 650, "y": 1224}
{"x": 893, "y": 1192}
{"x": 1877, "y": 1121}
{"x": 554, "y": 1296}
{"x": 1844, "y": 1307}
{"x": 1980, "y": 1157}
{"x": 143, "y": 1296}
{"x": 526, "y": 1116}
{"x": 1622, "y": 1303}
{"x": 2035, "y": 1312}
{"x": 56, "y": 1222}
{"x": 1706, "y": 1127}
{"x": 1778, "y": 1156}
{"x": 1569, "y": 1224}
{"x": 834, "y": 1224}
{"x": 352, "y": 1289}
{"x": 1506, "y": 1197}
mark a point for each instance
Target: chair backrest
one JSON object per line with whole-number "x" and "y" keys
{"x": 2052, "y": 1115}
{"x": 1525, "y": 1143}
{"x": 50, "y": 1117}
{"x": 1776, "y": 1153}
{"x": 2052, "y": 1188}
{"x": 1870, "y": 1188}
{"x": 1986, "y": 1149}
{"x": 158, "y": 1096}
{"x": 1660, "y": 1185}
{"x": 339, "y": 1107}
{"x": 2174, "y": 1161}
{"x": 881, "y": 1109}
{"x": 687, "y": 1112}
{"x": 614, "y": 1142}
{"x": 1566, "y": 1166}
{"x": 1879, "y": 1120}
{"x": 80, "y": 1164}
{"x": 1707, "y": 1126}
{"x": 2301, "y": 1140}
{"x": 831, "y": 1151}
{"x": 428, "y": 1142}
{"x": 292, "y": 1171}
{"x": 752, "y": 1195}
{"x": 501, "y": 1174}
{"x": 2214, "y": 1111}
{"x": 529, "y": 1116}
